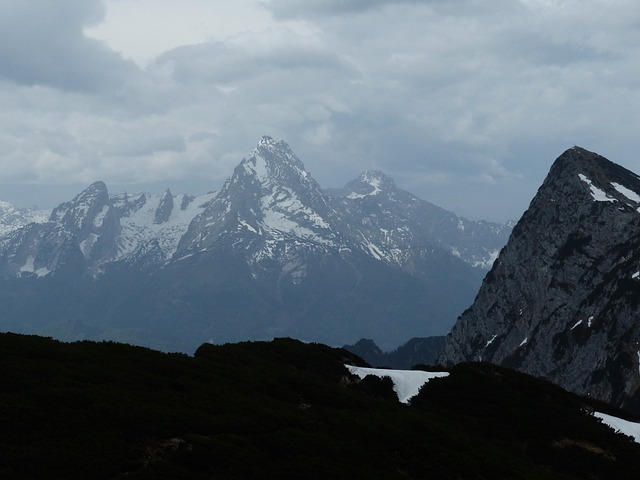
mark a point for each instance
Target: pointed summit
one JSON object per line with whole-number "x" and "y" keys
{"x": 596, "y": 177}
{"x": 164, "y": 208}
{"x": 274, "y": 163}
{"x": 269, "y": 195}
{"x": 561, "y": 299}
{"x": 90, "y": 205}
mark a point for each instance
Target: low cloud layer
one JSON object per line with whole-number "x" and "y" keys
{"x": 465, "y": 103}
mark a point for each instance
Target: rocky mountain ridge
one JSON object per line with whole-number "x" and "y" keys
{"x": 13, "y": 218}
{"x": 562, "y": 298}
{"x": 270, "y": 254}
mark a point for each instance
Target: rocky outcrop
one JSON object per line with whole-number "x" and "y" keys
{"x": 561, "y": 300}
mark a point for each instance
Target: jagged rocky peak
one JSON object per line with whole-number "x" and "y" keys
{"x": 86, "y": 211}
{"x": 561, "y": 299}
{"x": 270, "y": 194}
{"x": 370, "y": 183}
{"x": 595, "y": 176}
{"x": 273, "y": 163}
{"x": 186, "y": 201}
{"x": 165, "y": 208}
{"x": 125, "y": 204}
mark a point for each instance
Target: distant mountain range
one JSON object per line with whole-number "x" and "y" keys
{"x": 562, "y": 299}
{"x": 13, "y": 218}
{"x": 271, "y": 254}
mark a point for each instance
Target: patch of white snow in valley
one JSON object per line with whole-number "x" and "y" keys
{"x": 139, "y": 228}
{"x": 576, "y": 324}
{"x": 490, "y": 341}
{"x": 636, "y": 275}
{"x": 406, "y": 383}
{"x": 625, "y": 426}
{"x": 526, "y": 339}
{"x": 597, "y": 194}
{"x": 589, "y": 321}
{"x": 630, "y": 194}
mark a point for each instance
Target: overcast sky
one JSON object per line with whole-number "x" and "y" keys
{"x": 465, "y": 103}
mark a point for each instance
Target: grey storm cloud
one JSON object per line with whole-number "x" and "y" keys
{"x": 148, "y": 146}
{"x": 224, "y": 62}
{"x": 313, "y": 8}
{"x": 463, "y": 102}
{"x": 42, "y": 43}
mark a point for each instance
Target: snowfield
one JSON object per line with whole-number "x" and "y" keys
{"x": 625, "y": 426}
{"x": 406, "y": 383}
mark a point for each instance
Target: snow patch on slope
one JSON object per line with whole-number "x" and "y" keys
{"x": 597, "y": 194}
{"x": 618, "y": 424}
{"x": 630, "y": 194}
{"x": 29, "y": 267}
{"x": 406, "y": 383}
{"x": 139, "y": 228}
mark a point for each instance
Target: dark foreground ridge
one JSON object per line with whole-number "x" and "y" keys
{"x": 282, "y": 409}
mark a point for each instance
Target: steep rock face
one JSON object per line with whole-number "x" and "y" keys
{"x": 165, "y": 208}
{"x": 561, "y": 300}
{"x": 91, "y": 222}
{"x": 272, "y": 208}
{"x": 81, "y": 231}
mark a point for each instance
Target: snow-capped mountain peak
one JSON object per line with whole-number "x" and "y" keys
{"x": 370, "y": 183}
{"x": 12, "y": 218}
{"x": 270, "y": 195}
{"x": 270, "y": 254}
{"x": 91, "y": 205}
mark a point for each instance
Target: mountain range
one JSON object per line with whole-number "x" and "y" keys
{"x": 270, "y": 254}
{"x": 561, "y": 300}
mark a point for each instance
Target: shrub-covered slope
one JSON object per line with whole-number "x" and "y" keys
{"x": 282, "y": 409}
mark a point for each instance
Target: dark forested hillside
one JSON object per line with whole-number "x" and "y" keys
{"x": 282, "y": 409}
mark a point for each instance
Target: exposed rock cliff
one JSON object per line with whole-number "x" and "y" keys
{"x": 561, "y": 300}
